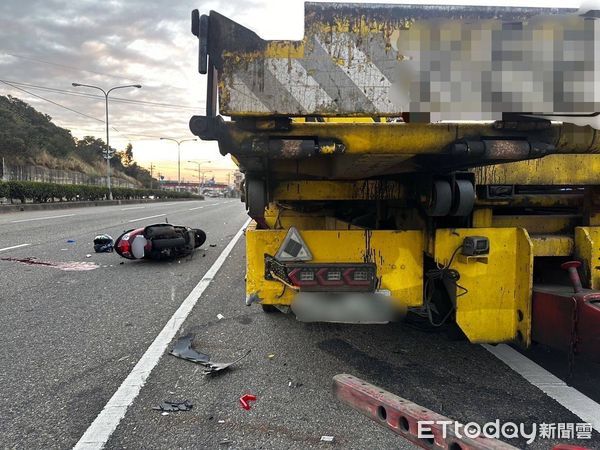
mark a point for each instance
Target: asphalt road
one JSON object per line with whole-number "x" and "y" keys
{"x": 70, "y": 338}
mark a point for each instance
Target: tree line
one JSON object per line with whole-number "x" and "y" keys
{"x": 25, "y": 134}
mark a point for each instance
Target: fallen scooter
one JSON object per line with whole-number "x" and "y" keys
{"x": 159, "y": 241}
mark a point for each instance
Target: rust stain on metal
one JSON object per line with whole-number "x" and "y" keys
{"x": 291, "y": 148}
{"x": 505, "y": 149}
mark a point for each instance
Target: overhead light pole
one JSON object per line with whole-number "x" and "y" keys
{"x": 107, "y": 154}
{"x": 203, "y": 173}
{"x": 199, "y": 163}
{"x": 179, "y": 142}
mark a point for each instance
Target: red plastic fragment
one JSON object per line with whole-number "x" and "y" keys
{"x": 246, "y": 399}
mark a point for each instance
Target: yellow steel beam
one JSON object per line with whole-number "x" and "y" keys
{"x": 279, "y": 218}
{"x": 550, "y": 170}
{"x": 587, "y": 247}
{"x": 497, "y": 305}
{"x": 414, "y": 138}
{"x": 536, "y": 224}
{"x": 567, "y": 200}
{"x": 482, "y": 217}
{"x": 338, "y": 190}
{"x": 552, "y": 245}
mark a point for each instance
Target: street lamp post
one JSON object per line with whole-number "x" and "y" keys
{"x": 199, "y": 173}
{"x": 203, "y": 173}
{"x": 178, "y": 156}
{"x": 107, "y": 155}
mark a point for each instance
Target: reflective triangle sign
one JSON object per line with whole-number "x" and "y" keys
{"x": 293, "y": 248}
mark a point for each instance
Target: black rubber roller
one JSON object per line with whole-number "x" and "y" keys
{"x": 464, "y": 198}
{"x": 440, "y": 200}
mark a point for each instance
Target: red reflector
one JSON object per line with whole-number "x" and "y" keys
{"x": 334, "y": 277}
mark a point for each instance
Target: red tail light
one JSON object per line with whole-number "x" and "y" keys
{"x": 333, "y": 277}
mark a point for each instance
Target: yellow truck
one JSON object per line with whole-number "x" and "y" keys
{"x": 435, "y": 161}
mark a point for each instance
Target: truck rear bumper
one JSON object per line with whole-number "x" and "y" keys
{"x": 397, "y": 256}
{"x": 495, "y": 307}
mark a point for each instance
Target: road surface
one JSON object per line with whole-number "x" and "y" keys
{"x": 71, "y": 340}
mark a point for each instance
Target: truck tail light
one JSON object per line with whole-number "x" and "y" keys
{"x": 332, "y": 277}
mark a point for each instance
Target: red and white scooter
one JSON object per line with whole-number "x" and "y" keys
{"x": 159, "y": 241}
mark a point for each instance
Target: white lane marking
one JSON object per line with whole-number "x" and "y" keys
{"x": 582, "y": 406}
{"x": 14, "y": 246}
{"x": 43, "y": 218}
{"x": 106, "y": 422}
{"x": 200, "y": 207}
{"x": 144, "y": 218}
{"x": 133, "y": 207}
{"x": 165, "y": 204}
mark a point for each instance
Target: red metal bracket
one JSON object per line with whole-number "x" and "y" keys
{"x": 567, "y": 319}
{"x": 403, "y": 416}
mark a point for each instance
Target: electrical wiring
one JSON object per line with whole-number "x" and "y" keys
{"x": 285, "y": 283}
{"x": 440, "y": 273}
{"x": 51, "y": 101}
{"x": 112, "y": 99}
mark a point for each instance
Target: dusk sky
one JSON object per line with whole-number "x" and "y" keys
{"x": 48, "y": 44}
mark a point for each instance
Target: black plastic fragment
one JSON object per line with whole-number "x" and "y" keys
{"x": 214, "y": 367}
{"x": 183, "y": 349}
{"x": 172, "y": 406}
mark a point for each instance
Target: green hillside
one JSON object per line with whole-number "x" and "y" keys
{"x": 29, "y": 137}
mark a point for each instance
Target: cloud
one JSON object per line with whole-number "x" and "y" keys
{"x": 53, "y": 43}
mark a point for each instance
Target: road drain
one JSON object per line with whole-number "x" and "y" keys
{"x": 71, "y": 266}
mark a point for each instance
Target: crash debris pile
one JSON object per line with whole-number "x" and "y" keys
{"x": 183, "y": 349}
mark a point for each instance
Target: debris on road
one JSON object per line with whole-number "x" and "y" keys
{"x": 271, "y": 355}
{"x": 220, "y": 316}
{"x": 212, "y": 245}
{"x": 246, "y": 399}
{"x": 171, "y": 406}
{"x": 103, "y": 243}
{"x": 70, "y": 241}
{"x": 327, "y": 438}
{"x": 71, "y": 266}
{"x": 88, "y": 256}
{"x": 225, "y": 441}
{"x": 214, "y": 367}
{"x": 183, "y": 349}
